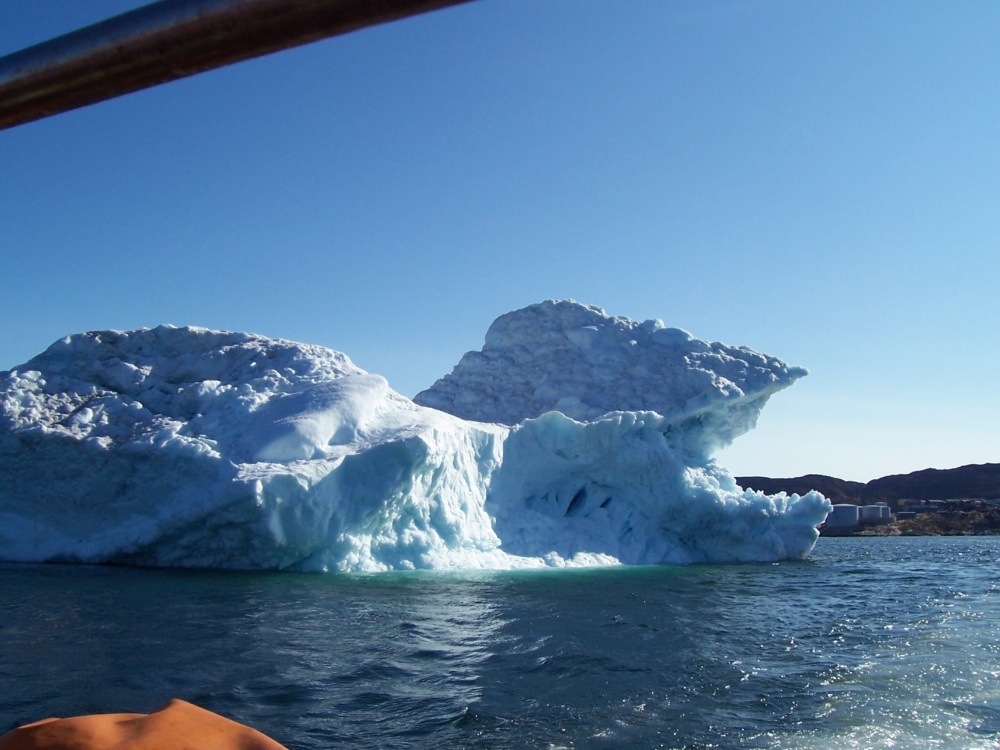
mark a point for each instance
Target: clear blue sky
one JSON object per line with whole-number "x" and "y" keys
{"x": 816, "y": 180}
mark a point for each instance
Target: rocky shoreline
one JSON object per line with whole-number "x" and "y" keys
{"x": 971, "y": 521}
{"x": 930, "y": 489}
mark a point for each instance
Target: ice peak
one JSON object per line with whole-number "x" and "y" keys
{"x": 574, "y": 358}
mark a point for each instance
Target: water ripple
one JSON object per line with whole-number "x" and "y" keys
{"x": 885, "y": 643}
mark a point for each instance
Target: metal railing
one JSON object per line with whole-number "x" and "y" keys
{"x": 173, "y": 39}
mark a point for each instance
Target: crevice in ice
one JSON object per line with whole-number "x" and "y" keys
{"x": 576, "y": 502}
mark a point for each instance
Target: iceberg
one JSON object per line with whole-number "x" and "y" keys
{"x": 573, "y": 438}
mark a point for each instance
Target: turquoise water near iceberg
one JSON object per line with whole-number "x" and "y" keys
{"x": 870, "y": 643}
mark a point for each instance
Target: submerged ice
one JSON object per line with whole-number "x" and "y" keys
{"x": 572, "y": 438}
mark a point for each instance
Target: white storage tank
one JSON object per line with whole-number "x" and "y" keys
{"x": 843, "y": 516}
{"x": 871, "y": 513}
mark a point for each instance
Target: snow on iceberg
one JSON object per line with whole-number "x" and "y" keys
{"x": 198, "y": 448}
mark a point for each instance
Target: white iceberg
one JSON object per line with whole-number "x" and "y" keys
{"x": 579, "y": 439}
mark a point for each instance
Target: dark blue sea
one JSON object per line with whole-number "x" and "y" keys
{"x": 870, "y": 643}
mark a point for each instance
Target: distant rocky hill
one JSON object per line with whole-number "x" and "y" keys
{"x": 836, "y": 490}
{"x": 974, "y": 480}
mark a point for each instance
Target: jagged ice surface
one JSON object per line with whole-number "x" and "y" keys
{"x": 199, "y": 448}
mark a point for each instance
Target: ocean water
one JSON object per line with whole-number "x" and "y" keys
{"x": 871, "y": 643}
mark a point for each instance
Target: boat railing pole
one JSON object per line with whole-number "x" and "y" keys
{"x": 173, "y": 39}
